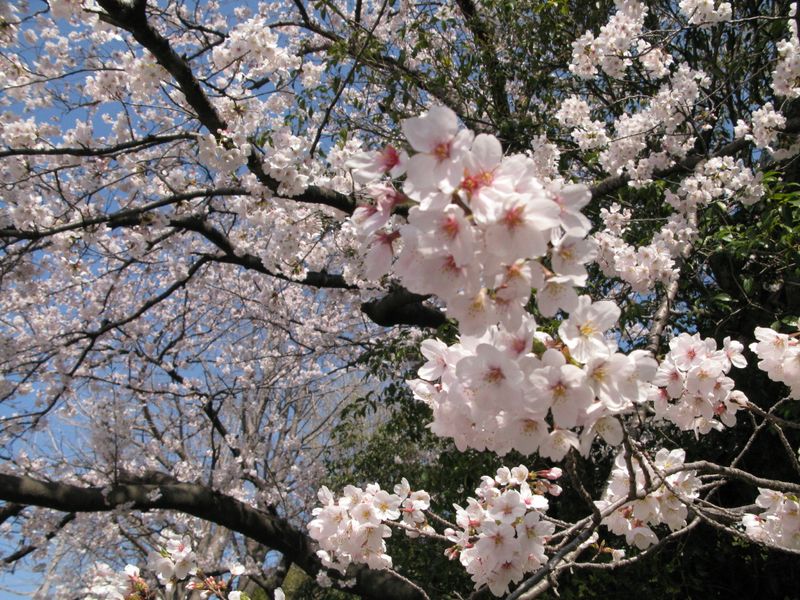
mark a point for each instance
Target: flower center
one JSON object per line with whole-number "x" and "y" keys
{"x": 442, "y": 151}
{"x": 450, "y": 226}
{"x": 513, "y": 217}
{"x": 389, "y": 158}
{"x": 494, "y": 375}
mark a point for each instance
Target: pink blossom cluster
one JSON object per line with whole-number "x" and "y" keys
{"x": 720, "y": 178}
{"x": 779, "y": 524}
{"x": 610, "y": 49}
{"x": 253, "y": 46}
{"x": 786, "y": 76}
{"x": 545, "y": 156}
{"x": 779, "y": 356}
{"x": 106, "y": 583}
{"x": 501, "y": 534}
{"x": 575, "y": 114}
{"x": 703, "y": 12}
{"x": 139, "y": 77}
{"x": 661, "y": 498}
{"x": 654, "y": 59}
{"x": 495, "y": 392}
{"x": 220, "y": 156}
{"x": 478, "y": 222}
{"x": 478, "y": 226}
{"x": 646, "y": 265}
{"x": 662, "y": 122}
{"x": 174, "y": 560}
{"x": 695, "y": 392}
{"x": 352, "y": 528}
{"x": 766, "y": 124}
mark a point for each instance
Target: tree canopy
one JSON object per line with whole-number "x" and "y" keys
{"x": 424, "y": 300}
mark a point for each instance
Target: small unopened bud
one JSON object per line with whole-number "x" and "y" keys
{"x": 552, "y": 473}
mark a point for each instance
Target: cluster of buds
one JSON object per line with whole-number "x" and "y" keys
{"x": 209, "y": 586}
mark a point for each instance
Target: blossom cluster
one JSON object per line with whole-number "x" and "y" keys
{"x": 494, "y": 392}
{"x": 106, "y": 583}
{"x": 479, "y": 233}
{"x": 703, "y": 12}
{"x": 695, "y": 392}
{"x": 575, "y": 113}
{"x": 720, "y": 178}
{"x": 779, "y": 524}
{"x": 352, "y": 528}
{"x": 478, "y": 222}
{"x": 643, "y": 141}
{"x": 653, "y": 138}
{"x": 610, "y": 49}
{"x": 646, "y": 265}
{"x": 779, "y": 356}
{"x": 663, "y": 122}
{"x": 501, "y": 534}
{"x": 767, "y": 123}
{"x": 717, "y": 179}
{"x": 254, "y": 43}
{"x": 786, "y": 76}
{"x": 660, "y": 498}
{"x": 174, "y": 560}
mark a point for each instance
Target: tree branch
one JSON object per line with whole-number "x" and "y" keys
{"x": 134, "y": 20}
{"x": 687, "y": 165}
{"x": 25, "y": 550}
{"x": 145, "y": 142}
{"x": 204, "y": 503}
{"x": 401, "y": 307}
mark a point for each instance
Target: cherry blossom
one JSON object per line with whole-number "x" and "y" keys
{"x": 212, "y": 214}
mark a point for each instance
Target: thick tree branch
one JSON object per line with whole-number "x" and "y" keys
{"x": 9, "y": 510}
{"x": 204, "y": 503}
{"x": 401, "y": 307}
